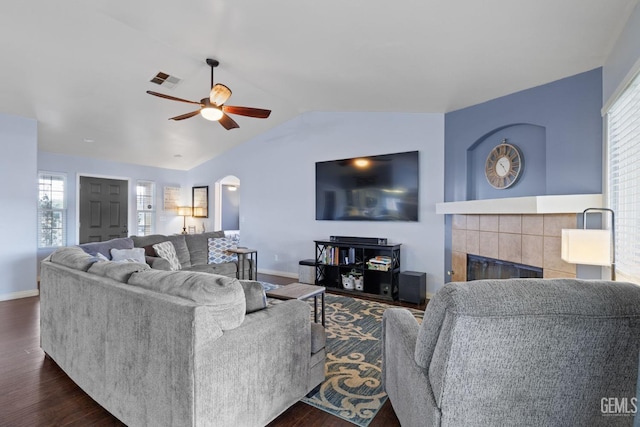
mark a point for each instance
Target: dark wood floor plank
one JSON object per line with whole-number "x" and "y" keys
{"x": 34, "y": 391}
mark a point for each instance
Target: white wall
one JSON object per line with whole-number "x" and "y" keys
{"x": 277, "y": 174}
{"x": 73, "y": 166}
{"x": 18, "y": 192}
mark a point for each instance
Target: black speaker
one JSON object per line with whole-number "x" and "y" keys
{"x": 413, "y": 287}
{"x": 359, "y": 240}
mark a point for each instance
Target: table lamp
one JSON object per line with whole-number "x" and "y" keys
{"x": 591, "y": 247}
{"x": 185, "y": 211}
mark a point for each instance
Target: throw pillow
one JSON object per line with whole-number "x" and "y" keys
{"x": 104, "y": 248}
{"x": 167, "y": 251}
{"x": 198, "y": 246}
{"x": 218, "y": 250}
{"x": 128, "y": 255}
{"x": 101, "y": 258}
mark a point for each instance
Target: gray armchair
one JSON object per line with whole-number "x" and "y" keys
{"x": 516, "y": 352}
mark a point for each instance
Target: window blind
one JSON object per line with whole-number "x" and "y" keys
{"x": 623, "y": 141}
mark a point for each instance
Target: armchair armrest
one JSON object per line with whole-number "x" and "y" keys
{"x": 406, "y": 383}
{"x": 399, "y": 335}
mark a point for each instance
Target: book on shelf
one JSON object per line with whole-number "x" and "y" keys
{"x": 334, "y": 255}
{"x": 330, "y": 255}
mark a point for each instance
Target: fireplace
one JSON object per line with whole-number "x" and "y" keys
{"x": 524, "y": 240}
{"x": 479, "y": 267}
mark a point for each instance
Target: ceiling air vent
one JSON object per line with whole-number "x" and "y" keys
{"x": 165, "y": 80}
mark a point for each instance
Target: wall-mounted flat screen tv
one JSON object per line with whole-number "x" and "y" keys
{"x": 373, "y": 188}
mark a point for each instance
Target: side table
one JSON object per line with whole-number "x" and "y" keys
{"x": 243, "y": 255}
{"x": 301, "y": 291}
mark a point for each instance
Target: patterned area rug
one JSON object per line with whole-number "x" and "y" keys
{"x": 352, "y": 389}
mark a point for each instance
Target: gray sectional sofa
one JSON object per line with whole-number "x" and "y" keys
{"x": 176, "y": 348}
{"x": 192, "y": 252}
{"x": 517, "y": 352}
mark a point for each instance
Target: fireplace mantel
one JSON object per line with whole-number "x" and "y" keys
{"x": 556, "y": 204}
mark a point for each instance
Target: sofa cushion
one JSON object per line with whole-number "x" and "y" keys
{"x": 105, "y": 247}
{"x": 129, "y": 255}
{"x": 73, "y": 257}
{"x": 119, "y": 271}
{"x": 182, "y": 251}
{"x": 224, "y": 294}
{"x": 218, "y": 250}
{"x": 225, "y": 269}
{"x": 158, "y": 263}
{"x": 167, "y": 251}
{"x": 256, "y": 298}
{"x": 147, "y": 242}
{"x": 198, "y": 246}
{"x": 179, "y": 244}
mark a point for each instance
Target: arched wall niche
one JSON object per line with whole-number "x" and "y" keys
{"x": 531, "y": 140}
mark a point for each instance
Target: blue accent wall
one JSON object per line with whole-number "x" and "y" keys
{"x": 557, "y": 127}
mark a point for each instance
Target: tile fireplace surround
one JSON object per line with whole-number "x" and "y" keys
{"x": 523, "y": 239}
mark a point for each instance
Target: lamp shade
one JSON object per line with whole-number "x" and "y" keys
{"x": 184, "y": 210}
{"x": 591, "y": 247}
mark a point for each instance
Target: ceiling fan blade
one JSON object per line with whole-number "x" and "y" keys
{"x": 173, "y": 98}
{"x": 258, "y": 113}
{"x": 227, "y": 122}
{"x": 185, "y": 116}
{"x": 219, "y": 94}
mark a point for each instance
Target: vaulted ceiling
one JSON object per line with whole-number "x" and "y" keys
{"x": 81, "y": 67}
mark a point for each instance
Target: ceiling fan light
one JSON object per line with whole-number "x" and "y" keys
{"x": 211, "y": 113}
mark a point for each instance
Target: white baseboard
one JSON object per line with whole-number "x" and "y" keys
{"x": 18, "y": 295}
{"x": 430, "y": 295}
{"x": 279, "y": 273}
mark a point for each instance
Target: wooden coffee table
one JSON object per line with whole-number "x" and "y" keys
{"x": 301, "y": 291}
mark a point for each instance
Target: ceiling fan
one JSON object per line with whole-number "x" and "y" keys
{"x": 213, "y": 108}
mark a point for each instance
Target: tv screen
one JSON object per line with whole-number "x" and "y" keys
{"x": 373, "y": 188}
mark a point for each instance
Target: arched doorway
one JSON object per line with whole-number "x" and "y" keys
{"x": 227, "y": 206}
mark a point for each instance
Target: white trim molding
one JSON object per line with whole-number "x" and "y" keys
{"x": 622, "y": 86}
{"x": 570, "y": 203}
{"x": 279, "y": 273}
{"x": 18, "y": 295}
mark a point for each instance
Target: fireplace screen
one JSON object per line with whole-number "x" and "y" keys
{"x": 488, "y": 268}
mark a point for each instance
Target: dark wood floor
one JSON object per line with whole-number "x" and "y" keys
{"x": 34, "y": 391}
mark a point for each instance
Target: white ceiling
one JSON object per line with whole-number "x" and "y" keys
{"x": 81, "y": 67}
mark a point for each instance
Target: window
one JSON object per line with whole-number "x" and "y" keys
{"x": 146, "y": 207}
{"x": 623, "y": 138}
{"x": 52, "y": 210}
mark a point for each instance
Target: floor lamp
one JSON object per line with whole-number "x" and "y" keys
{"x": 591, "y": 247}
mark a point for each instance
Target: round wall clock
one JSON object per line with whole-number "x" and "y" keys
{"x": 503, "y": 165}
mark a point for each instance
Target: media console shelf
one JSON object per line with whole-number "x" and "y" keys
{"x": 333, "y": 259}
